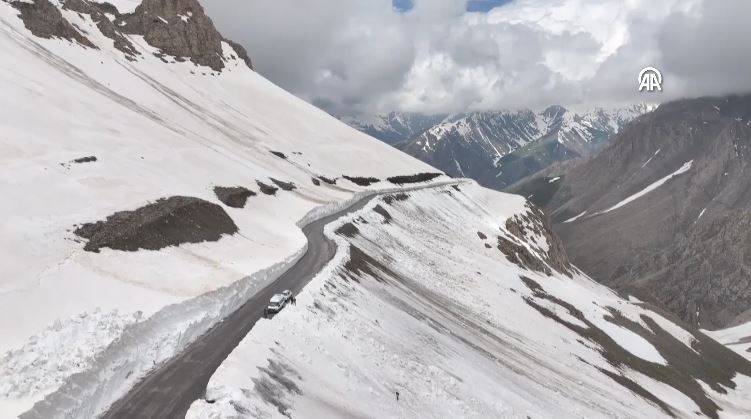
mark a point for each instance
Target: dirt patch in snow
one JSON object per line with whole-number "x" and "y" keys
{"x": 233, "y": 196}
{"x": 390, "y": 199}
{"x": 167, "y": 222}
{"x": 360, "y": 263}
{"x": 315, "y": 181}
{"x": 87, "y": 159}
{"x": 416, "y": 178}
{"x": 330, "y": 181}
{"x": 347, "y": 230}
{"x": 286, "y": 186}
{"x": 266, "y": 189}
{"x": 386, "y": 216}
{"x": 361, "y": 181}
{"x": 278, "y": 154}
{"x": 276, "y": 387}
{"x": 481, "y": 235}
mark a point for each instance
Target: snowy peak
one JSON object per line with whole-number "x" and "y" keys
{"x": 393, "y": 127}
{"x": 498, "y": 148}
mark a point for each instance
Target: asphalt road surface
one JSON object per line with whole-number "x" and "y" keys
{"x": 168, "y": 391}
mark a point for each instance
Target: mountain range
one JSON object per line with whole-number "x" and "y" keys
{"x": 156, "y": 188}
{"x": 499, "y": 148}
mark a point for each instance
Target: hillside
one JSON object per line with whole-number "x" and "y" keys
{"x": 518, "y": 332}
{"x": 662, "y": 211}
{"x": 212, "y": 164}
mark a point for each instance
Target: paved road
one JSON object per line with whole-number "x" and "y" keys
{"x": 169, "y": 391}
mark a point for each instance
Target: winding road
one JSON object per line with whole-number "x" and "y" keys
{"x": 168, "y": 391}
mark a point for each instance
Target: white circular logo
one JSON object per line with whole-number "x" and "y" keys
{"x": 650, "y": 79}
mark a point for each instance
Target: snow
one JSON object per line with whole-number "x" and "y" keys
{"x": 737, "y": 338}
{"x": 125, "y": 6}
{"x": 554, "y": 179}
{"x": 576, "y": 217}
{"x": 632, "y": 342}
{"x": 157, "y": 130}
{"x": 683, "y": 169}
{"x": 650, "y": 159}
{"x": 703, "y": 210}
{"x": 448, "y": 329}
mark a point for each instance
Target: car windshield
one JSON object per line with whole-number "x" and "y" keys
{"x": 276, "y": 299}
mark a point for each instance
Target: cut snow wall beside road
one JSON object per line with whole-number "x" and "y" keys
{"x": 147, "y": 344}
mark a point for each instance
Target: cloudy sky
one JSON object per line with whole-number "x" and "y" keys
{"x": 429, "y": 56}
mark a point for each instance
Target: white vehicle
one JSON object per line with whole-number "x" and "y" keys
{"x": 276, "y": 303}
{"x": 287, "y": 294}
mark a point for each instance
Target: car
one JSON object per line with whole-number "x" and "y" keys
{"x": 287, "y": 294}
{"x": 276, "y": 303}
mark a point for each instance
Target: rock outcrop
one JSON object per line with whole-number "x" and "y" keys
{"x": 178, "y": 28}
{"x": 45, "y": 20}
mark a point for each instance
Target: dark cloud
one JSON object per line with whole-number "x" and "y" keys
{"x": 366, "y": 56}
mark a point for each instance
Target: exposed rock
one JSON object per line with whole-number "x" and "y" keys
{"x": 390, "y": 199}
{"x": 266, "y": 189}
{"x": 386, "y": 216}
{"x": 348, "y": 230}
{"x": 286, "y": 186}
{"x": 167, "y": 222}
{"x": 241, "y": 52}
{"x": 361, "y": 181}
{"x": 179, "y": 28}
{"x": 330, "y": 181}
{"x": 531, "y": 228}
{"x": 420, "y": 177}
{"x": 278, "y": 154}
{"x": 87, "y": 159}
{"x": 708, "y": 361}
{"x": 104, "y": 24}
{"x": 234, "y": 196}
{"x": 44, "y": 20}
{"x": 315, "y": 181}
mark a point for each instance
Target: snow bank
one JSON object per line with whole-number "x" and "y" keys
{"x": 144, "y": 345}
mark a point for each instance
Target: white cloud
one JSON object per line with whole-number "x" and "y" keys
{"x": 362, "y": 56}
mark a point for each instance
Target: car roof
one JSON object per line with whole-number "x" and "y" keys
{"x": 277, "y": 298}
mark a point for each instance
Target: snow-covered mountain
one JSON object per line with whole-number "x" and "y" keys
{"x": 393, "y": 127}
{"x": 501, "y": 147}
{"x": 472, "y": 311}
{"x": 152, "y": 183}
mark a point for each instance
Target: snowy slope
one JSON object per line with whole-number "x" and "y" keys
{"x": 439, "y": 313}
{"x": 737, "y": 338}
{"x": 158, "y": 126}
